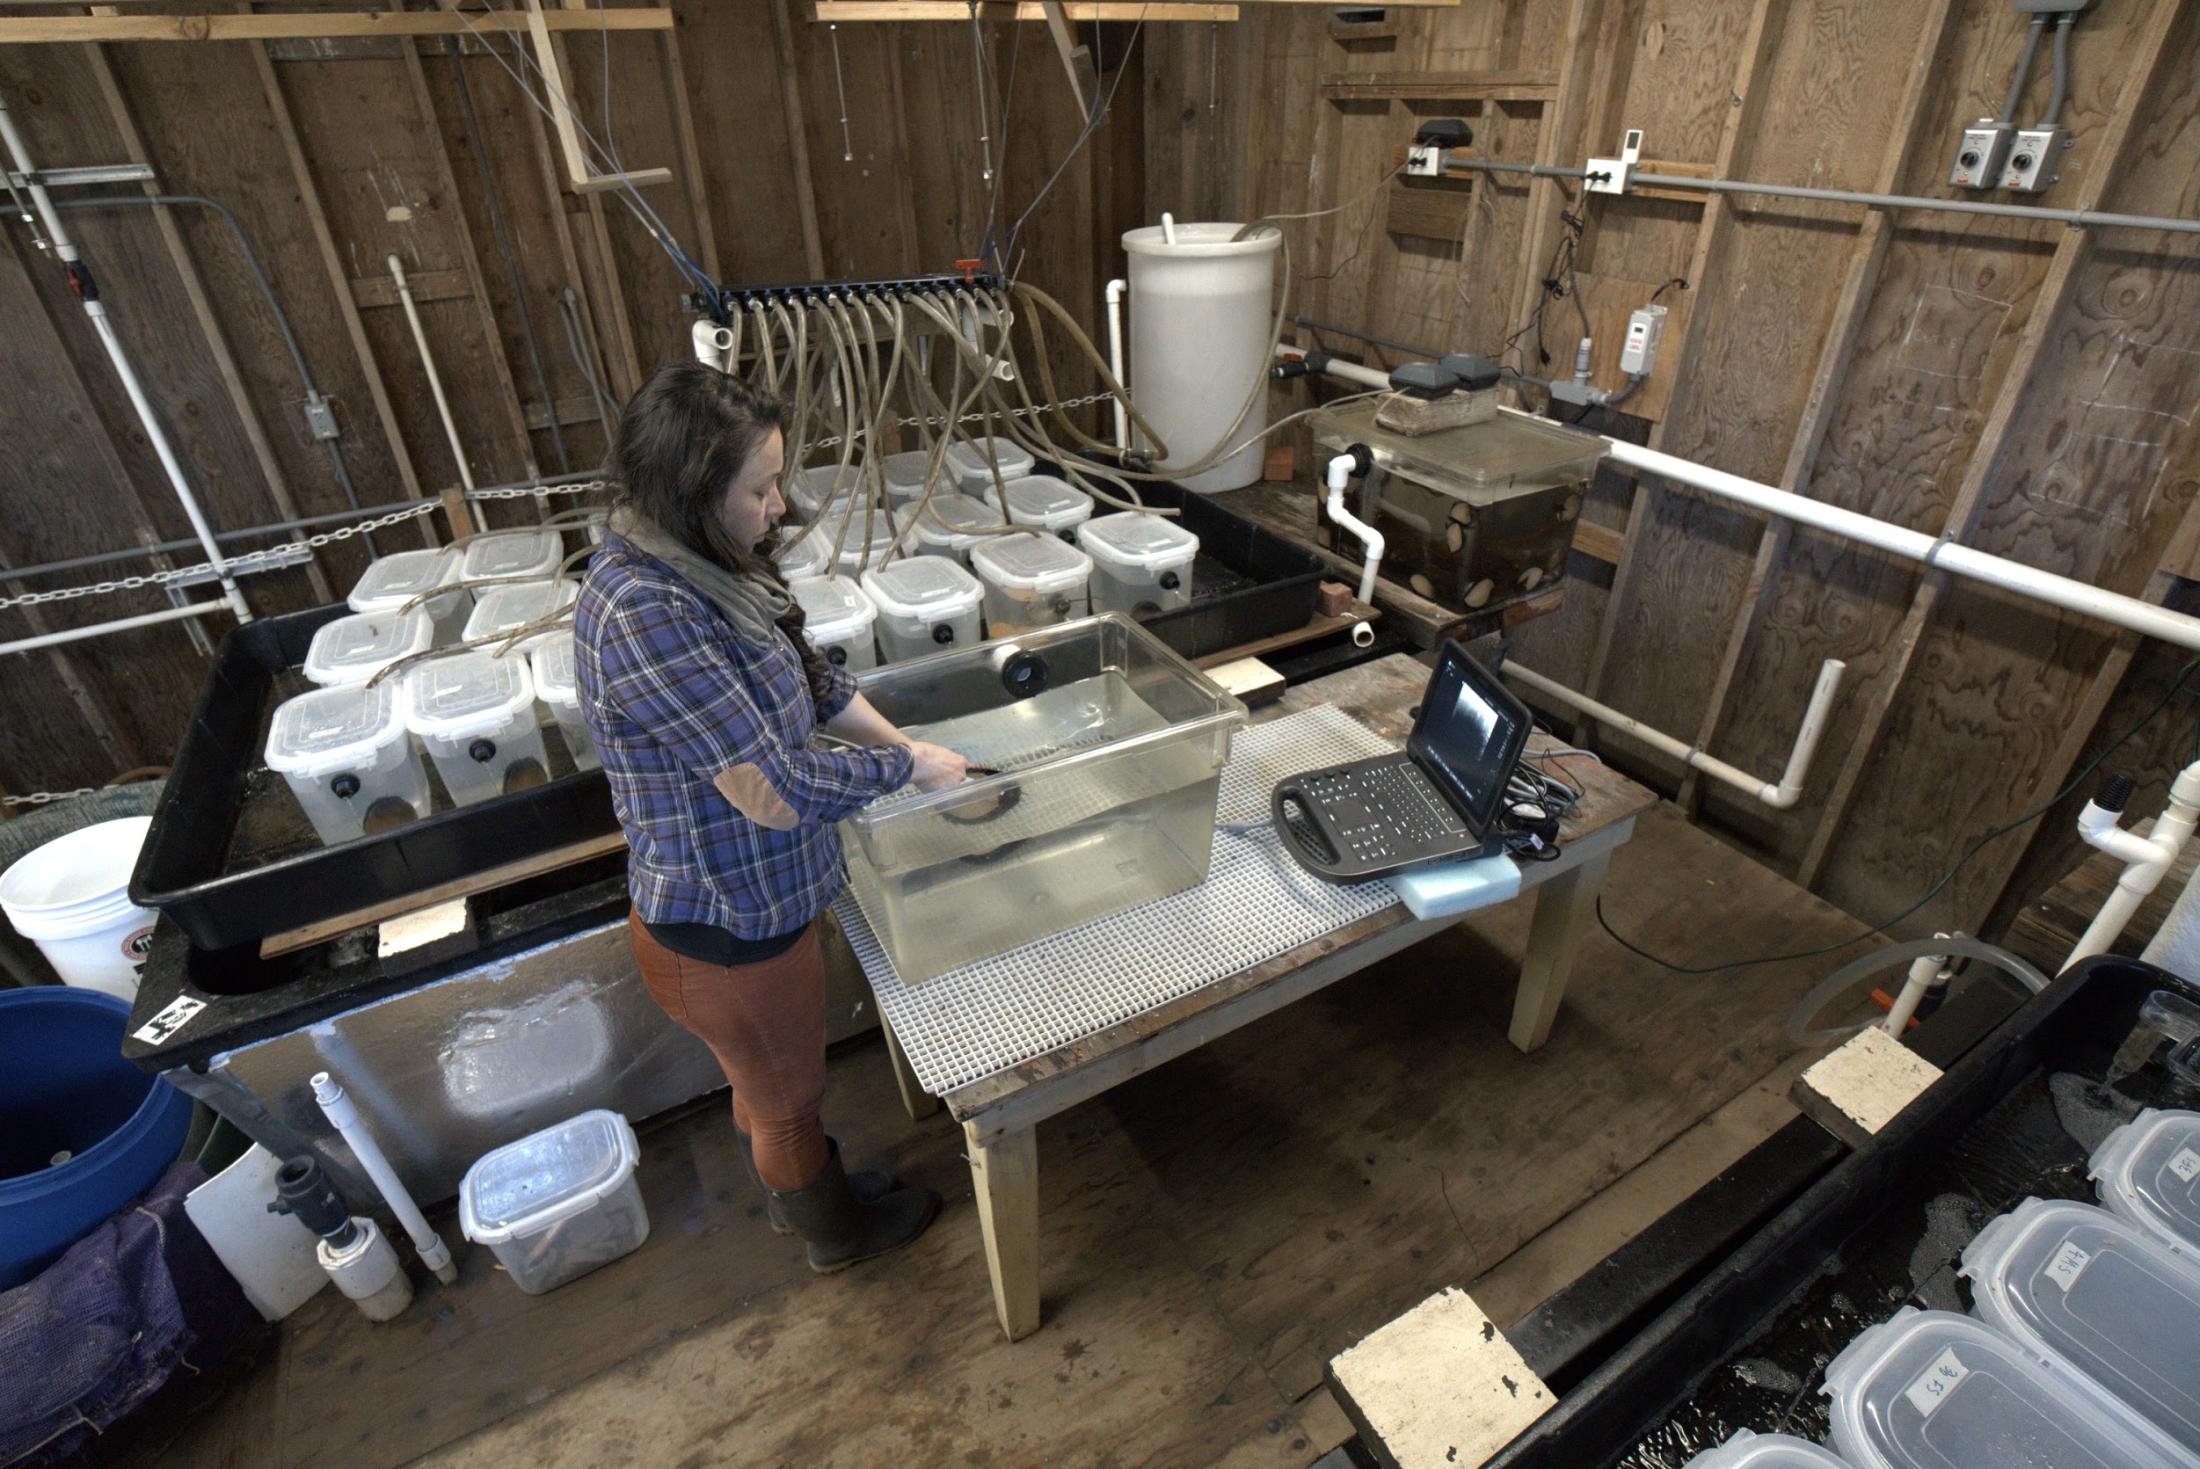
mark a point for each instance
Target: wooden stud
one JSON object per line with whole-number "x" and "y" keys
{"x": 281, "y": 26}
{"x": 1075, "y": 59}
{"x": 1557, "y": 139}
{"x": 915, "y": 1100}
{"x": 691, "y": 154}
{"x": 1439, "y": 86}
{"x": 798, "y": 141}
{"x": 1005, "y": 1173}
{"x": 1564, "y": 909}
{"x": 2071, "y": 253}
{"x": 952, "y": 11}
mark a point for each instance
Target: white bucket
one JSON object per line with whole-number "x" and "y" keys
{"x": 72, "y": 898}
{"x": 1200, "y": 319}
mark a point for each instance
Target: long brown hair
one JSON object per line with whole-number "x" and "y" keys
{"x": 682, "y": 444}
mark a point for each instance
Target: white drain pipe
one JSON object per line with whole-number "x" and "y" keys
{"x": 344, "y": 1117}
{"x": 2147, "y": 857}
{"x": 1341, "y": 470}
{"x": 1116, "y": 288}
{"x": 1779, "y": 795}
{"x": 435, "y": 382}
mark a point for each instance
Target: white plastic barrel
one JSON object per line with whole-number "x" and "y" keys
{"x": 1201, "y": 313}
{"x": 71, "y": 897}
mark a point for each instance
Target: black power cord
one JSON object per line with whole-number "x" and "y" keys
{"x": 2084, "y": 774}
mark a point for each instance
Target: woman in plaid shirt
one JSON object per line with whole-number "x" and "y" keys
{"x": 703, "y": 695}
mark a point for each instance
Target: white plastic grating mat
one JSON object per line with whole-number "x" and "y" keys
{"x": 1256, "y": 903}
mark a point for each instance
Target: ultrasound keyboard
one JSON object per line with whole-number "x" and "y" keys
{"x": 1366, "y": 819}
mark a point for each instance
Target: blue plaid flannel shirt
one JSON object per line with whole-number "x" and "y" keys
{"x": 675, "y": 697}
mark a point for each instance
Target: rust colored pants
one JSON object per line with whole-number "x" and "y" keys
{"x": 765, "y": 1023}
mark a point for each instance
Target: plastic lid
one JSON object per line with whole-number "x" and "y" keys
{"x": 1199, "y": 240}
{"x": 330, "y": 730}
{"x": 967, "y": 461}
{"x": 552, "y": 665}
{"x": 834, "y": 608}
{"x": 931, "y": 588}
{"x": 2148, "y": 1170}
{"x": 389, "y": 582}
{"x": 905, "y": 471}
{"x": 888, "y": 528}
{"x": 1046, "y": 502}
{"x": 1035, "y": 564}
{"x": 466, "y": 694}
{"x": 547, "y": 1177}
{"x": 501, "y": 609}
{"x": 812, "y": 556}
{"x": 1140, "y": 542}
{"x": 1931, "y": 1388}
{"x": 1747, "y": 1450}
{"x": 1477, "y": 461}
{"x": 354, "y": 649}
{"x": 513, "y": 553}
{"x": 2108, "y": 1295}
{"x": 807, "y": 488}
{"x": 950, "y": 522}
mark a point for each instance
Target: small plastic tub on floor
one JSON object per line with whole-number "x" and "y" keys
{"x": 558, "y": 1203}
{"x": 839, "y": 620}
{"x": 1031, "y": 582}
{"x": 346, "y": 755}
{"x": 71, "y": 897}
{"x": 354, "y": 649}
{"x": 972, "y": 467}
{"x": 391, "y": 581}
{"x": 1141, "y": 563}
{"x": 2112, "y": 1298}
{"x": 2148, "y": 1171}
{"x": 475, "y": 715}
{"x": 531, "y": 555}
{"x": 1931, "y": 1389}
{"x": 1747, "y": 1450}
{"x": 555, "y": 688}
{"x": 926, "y": 604}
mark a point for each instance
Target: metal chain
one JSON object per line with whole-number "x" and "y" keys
{"x": 41, "y": 798}
{"x": 529, "y": 492}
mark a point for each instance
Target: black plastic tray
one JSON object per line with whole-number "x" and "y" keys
{"x": 1637, "y": 1336}
{"x": 187, "y": 871}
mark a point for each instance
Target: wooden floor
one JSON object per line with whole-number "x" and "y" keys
{"x": 1213, "y": 1230}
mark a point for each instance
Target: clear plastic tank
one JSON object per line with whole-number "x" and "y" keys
{"x": 1031, "y": 582}
{"x": 2148, "y": 1171}
{"x": 389, "y": 582}
{"x": 1201, "y": 313}
{"x": 555, "y": 688}
{"x": 475, "y": 716}
{"x": 346, "y": 756}
{"x": 1140, "y": 563}
{"x": 838, "y": 619}
{"x": 558, "y": 1203}
{"x": 1110, "y": 750}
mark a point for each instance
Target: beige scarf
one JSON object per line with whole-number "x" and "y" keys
{"x": 753, "y": 604}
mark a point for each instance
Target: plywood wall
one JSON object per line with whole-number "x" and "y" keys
{"x": 335, "y": 154}
{"x": 2025, "y": 388}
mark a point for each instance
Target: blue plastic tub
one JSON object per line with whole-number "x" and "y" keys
{"x": 66, "y": 1092}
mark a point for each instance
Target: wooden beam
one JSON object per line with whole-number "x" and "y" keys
{"x": 1866, "y": 258}
{"x": 1555, "y": 140}
{"x": 580, "y": 174}
{"x": 691, "y": 154}
{"x": 202, "y": 312}
{"x": 839, "y": 11}
{"x": 1076, "y": 60}
{"x": 798, "y": 140}
{"x": 1598, "y": 541}
{"x": 2071, "y": 253}
{"x": 22, "y": 30}
{"x": 1439, "y": 86}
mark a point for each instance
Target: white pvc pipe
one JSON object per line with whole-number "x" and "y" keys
{"x": 2147, "y": 858}
{"x": 120, "y": 624}
{"x": 65, "y": 249}
{"x": 344, "y": 1117}
{"x": 1780, "y": 796}
{"x": 1168, "y": 227}
{"x": 1340, "y": 473}
{"x": 435, "y": 382}
{"x": 2113, "y": 608}
{"x": 1116, "y": 289}
{"x": 1926, "y": 971}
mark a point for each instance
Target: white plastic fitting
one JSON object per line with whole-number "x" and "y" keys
{"x": 1363, "y": 636}
{"x": 368, "y": 1272}
{"x": 344, "y": 1117}
{"x": 2146, "y": 858}
{"x": 1926, "y": 971}
{"x": 713, "y": 344}
{"x": 1116, "y": 288}
{"x": 1340, "y": 474}
{"x": 1168, "y": 227}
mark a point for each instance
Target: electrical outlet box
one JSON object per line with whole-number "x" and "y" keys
{"x": 1425, "y": 160}
{"x": 1611, "y": 175}
{"x": 1640, "y": 351}
{"x": 2035, "y": 159}
{"x": 1980, "y": 156}
{"x": 321, "y": 417}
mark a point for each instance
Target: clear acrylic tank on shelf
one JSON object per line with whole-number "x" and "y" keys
{"x": 1109, "y": 752}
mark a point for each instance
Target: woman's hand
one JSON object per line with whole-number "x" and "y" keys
{"x": 937, "y": 766}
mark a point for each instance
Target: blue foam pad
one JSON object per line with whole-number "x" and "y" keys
{"x": 1457, "y": 887}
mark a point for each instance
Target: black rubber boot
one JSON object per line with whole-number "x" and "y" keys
{"x": 842, "y": 1229}
{"x": 865, "y": 1186}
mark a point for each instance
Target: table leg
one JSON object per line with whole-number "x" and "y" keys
{"x": 1563, "y": 908}
{"x": 1006, "y": 1174}
{"x": 915, "y": 1100}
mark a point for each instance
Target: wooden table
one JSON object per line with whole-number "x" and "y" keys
{"x": 1000, "y": 1113}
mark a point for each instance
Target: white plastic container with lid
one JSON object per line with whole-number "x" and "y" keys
{"x": 71, "y": 897}
{"x": 887, "y": 530}
{"x": 926, "y": 604}
{"x": 533, "y": 554}
{"x": 1140, "y": 563}
{"x": 552, "y": 665}
{"x": 806, "y": 490}
{"x": 1747, "y": 1450}
{"x": 1046, "y": 503}
{"x": 475, "y": 716}
{"x": 354, "y": 649}
{"x": 810, "y": 557}
{"x": 499, "y": 610}
{"x": 1201, "y": 315}
{"x": 2148, "y": 1171}
{"x": 973, "y": 470}
{"x": 951, "y": 525}
{"x": 558, "y": 1203}
{"x": 389, "y": 582}
{"x": 838, "y": 618}
{"x": 1031, "y": 581}
{"x": 347, "y": 758}
{"x": 1933, "y": 1390}
{"x": 905, "y": 475}
{"x": 2112, "y": 1298}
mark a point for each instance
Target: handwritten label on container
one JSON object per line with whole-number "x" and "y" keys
{"x": 1935, "y": 1383}
{"x": 2069, "y": 1263}
{"x": 2186, "y": 1165}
